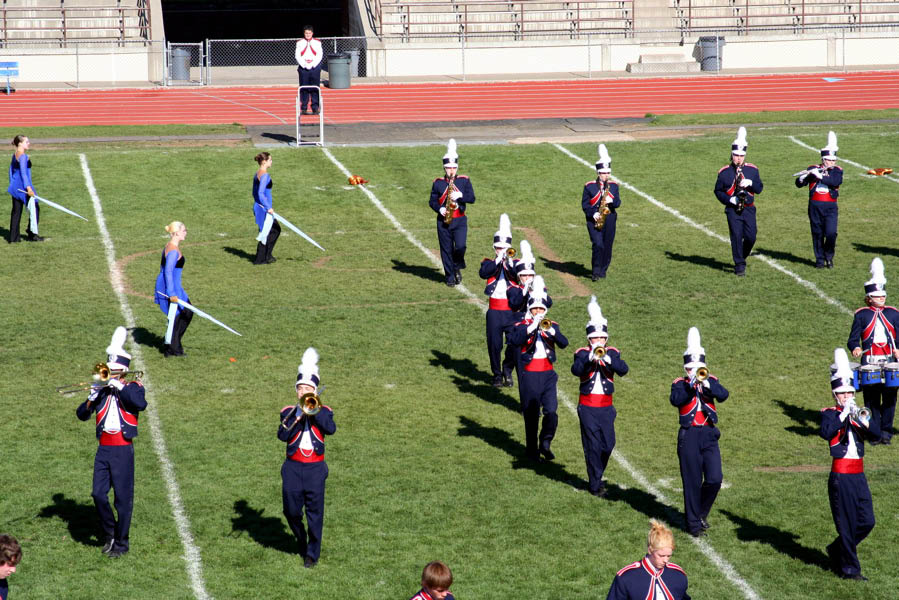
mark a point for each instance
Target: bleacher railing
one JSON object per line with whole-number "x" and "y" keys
{"x": 64, "y": 24}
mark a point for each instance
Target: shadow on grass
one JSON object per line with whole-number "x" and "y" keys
{"x": 428, "y": 273}
{"x": 782, "y": 541}
{"x": 569, "y": 267}
{"x": 702, "y": 261}
{"x": 807, "y": 420}
{"x": 502, "y": 440}
{"x": 647, "y": 504}
{"x": 472, "y": 380}
{"x": 879, "y": 250}
{"x": 786, "y": 256}
{"x": 240, "y": 253}
{"x": 145, "y": 337}
{"x": 4, "y": 234}
{"x": 279, "y": 137}
{"x": 270, "y": 532}
{"x": 81, "y": 519}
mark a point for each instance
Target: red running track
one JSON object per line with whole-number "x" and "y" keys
{"x": 392, "y": 103}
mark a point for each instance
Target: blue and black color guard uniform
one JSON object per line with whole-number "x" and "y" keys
{"x": 595, "y": 410}
{"x": 500, "y": 316}
{"x": 452, "y": 238}
{"x": 262, "y": 202}
{"x": 847, "y": 488}
{"x": 168, "y": 282}
{"x": 601, "y": 239}
{"x": 303, "y": 475}
{"x": 822, "y": 211}
{"x": 697, "y": 446}
{"x": 537, "y": 382}
{"x": 116, "y": 418}
{"x": 641, "y": 581}
{"x": 20, "y": 179}
{"x": 742, "y": 227}
{"x": 874, "y": 331}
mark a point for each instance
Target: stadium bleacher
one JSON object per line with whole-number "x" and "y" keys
{"x": 63, "y": 21}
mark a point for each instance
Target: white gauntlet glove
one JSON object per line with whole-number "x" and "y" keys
{"x": 706, "y": 384}
{"x": 116, "y": 384}
{"x": 455, "y": 195}
{"x": 607, "y": 359}
{"x": 816, "y": 173}
{"x": 733, "y": 201}
{"x": 533, "y": 326}
{"x": 847, "y": 408}
{"x": 442, "y": 211}
{"x": 746, "y": 183}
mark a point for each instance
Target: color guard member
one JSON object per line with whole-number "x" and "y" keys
{"x": 846, "y": 427}
{"x": 697, "y": 441}
{"x": 303, "y": 474}
{"x": 436, "y": 579}
{"x": 116, "y": 404}
{"x": 736, "y": 187}
{"x": 269, "y": 229}
{"x": 537, "y": 338}
{"x": 449, "y": 195}
{"x": 597, "y": 365}
{"x": 599, "y": 201}
{"x": 169, "y": 289}
{"x": 20, "y": 179}
{"x": 500, "y": 275}
{"x": 823, "y": 183}
{"x": 10, "y": 557}
{"x": 654, "y": 577}
{"x": 873, "y": 338}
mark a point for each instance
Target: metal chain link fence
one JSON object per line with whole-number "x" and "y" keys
{"x": 186, "y": 64}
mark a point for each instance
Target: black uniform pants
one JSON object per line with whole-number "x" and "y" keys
{"x": 853, "y": 515}
{"x": 700, "y": 472}
{"x": 598, "y": 439}
{"x": 823, "y": 216}
{"x": 882, "y": 402}
{"x": 303, "y": 486}
{"x": 498, "y": 324}
{"x": 743, "y": 232}
{"x": 182, "y": 321}
{"x": 15, "y": 218}
{"x": 114, "y": 468}
{"x": 537, "y": 391}
{"x": 601, "y": 241}
{"x": 264, "y": 251}
{"x": 452, "y": 239}
{"x": 307, "y": 95}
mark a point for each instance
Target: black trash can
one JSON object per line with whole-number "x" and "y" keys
{"x": 180, "y": 64}
{"x": 339, "y": 71}
{"x": 710, "y": 50}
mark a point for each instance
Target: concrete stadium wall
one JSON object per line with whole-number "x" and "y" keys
{"x": 56, "y": 65}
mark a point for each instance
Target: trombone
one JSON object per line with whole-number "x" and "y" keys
{"x": 99, "y": 379}
{"x": 309, "y": 404}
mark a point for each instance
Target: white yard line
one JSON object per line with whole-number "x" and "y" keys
{"x": 793, "y": 139}
{"x": 726, "y": 569}
{"x": 191, "y": 557}
{"x": 756, "y": 255}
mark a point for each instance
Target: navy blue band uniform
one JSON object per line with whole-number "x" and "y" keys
{"x": 500, "y": 275}
{"x": 601, "y": 240}
{"x": 452, "y": 194}
{"x": 642, "y": 581}
{"x": 823, "y": 182}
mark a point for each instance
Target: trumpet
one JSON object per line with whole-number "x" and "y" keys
{"x": 545, "y": 324}
{"x": 861, "y": 414}
{"x": 702, "y": 373}
{"x": 599, "y": 352}
{"x": 99, "y": 378}
{"x": 510, "y": 252}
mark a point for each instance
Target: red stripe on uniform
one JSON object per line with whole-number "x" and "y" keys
{"x": 848, "y": 465}
{"x": 538, "y": 365}
{"x": 595, "y": 400}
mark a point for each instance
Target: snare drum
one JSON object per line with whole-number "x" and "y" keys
{"x": 891, "y": 374}
{"x": 854, "y": 366}
{"x": 870, "y": 375}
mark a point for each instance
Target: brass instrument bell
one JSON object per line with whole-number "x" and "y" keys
{"x": 510, "y": 252}
{"x": 310, "y": 404}
{"x": 100, "y": 377}
{"x": 545, "y": 324}
{"x": 702, "y": 373}
{"x": 599, "y": 352}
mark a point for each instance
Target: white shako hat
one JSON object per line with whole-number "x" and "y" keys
{"x": 876, "y": 286}
{"x": 841, "y": 381}
{"x": 604, "y": 164}
{"x": 830, "y": 150}
{"x": 694, "y": 356}
{"x": 527, "y": 261}
{"x": 307, "y": 372}
{"x": 597, "y": 326}
{"x": 740, "y": 144}
{"x": 538, "y": 295}
{"x": 116, "y": 357}
{"x": 503, "y": 236}
{"x": 451, "y": 158}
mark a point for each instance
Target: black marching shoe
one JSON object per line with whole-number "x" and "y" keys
{"x": 498, "y": 380}
{"x": 547, "y": 454}
{"x": 117, "y": 553}
{"x": 107, "y": 547}
{"x": 602, "y": 492}
{"x": 698, "y": 533}
{"x": 35, "y": 238}
{"x": 458, "y": 277}
{"x": 830, "y": 264}
{"x": 704, "y": 525}
{"x": 594, "y": 277}
{"x": 507, "y": 381}
{"x": 451, "y": 283}
{"x": 308, "y": 562}
{"x": 854, "y": 576}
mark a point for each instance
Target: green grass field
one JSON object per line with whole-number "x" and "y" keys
{"x": 427, "y": 462}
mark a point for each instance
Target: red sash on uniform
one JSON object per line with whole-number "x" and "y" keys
{"x": 822, "y": 196}
{"x": 499, "y": 304}
{"x": 538, "y": 364}
{"x": 298, "y": 457}
{"x": 595, "y": 400}
{"x": 113, "y": 439}
{"x": 848, "y": 465}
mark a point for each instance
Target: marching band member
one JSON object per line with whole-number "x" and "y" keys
{"x": 116, "y": 404}
{"x": 169, "y": 290}
{"x": 269, "y": 229}
{"x": 599, "y": 201}
{"x": 436, "y": 579}
{"x": 449, "y": 195}
{"x": 823, "y": 183}
{"x": 518, "y": 295}
{"x": 654, "y": 577}
{"x": 309, "y": 54}
{"x": 304, "y": 471}
{"x": 537, "y": 337}
{"x": 597, "y": 365}
{"x": 20, "y": 179}
{"x": 10, "y": 557}
{"x": 500, "y": 275}
{"x": 846, "y": 428}
{"x": 736, "y": 188}
{"x": 873, "y": 337}
{"x": 697, "y": 441}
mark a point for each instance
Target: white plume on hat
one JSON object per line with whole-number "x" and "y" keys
{"x": 740, "y": 144}
{"x": 604, "y": 164}
{"x": 527, "y": 259}
{"x": 694, "y": 355}
{"x": 503, "y": 236}
{"x": 538, "y": 296}
{"x": 830, "y": 150}
{"x": 451, "y": 158}
{"x": 307, "y": 372}
{"x": 875, "y": 285}
{"x": 117, "y": 358}
{"x": 841, "y": 381}
{"x": 597, "y": 321}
